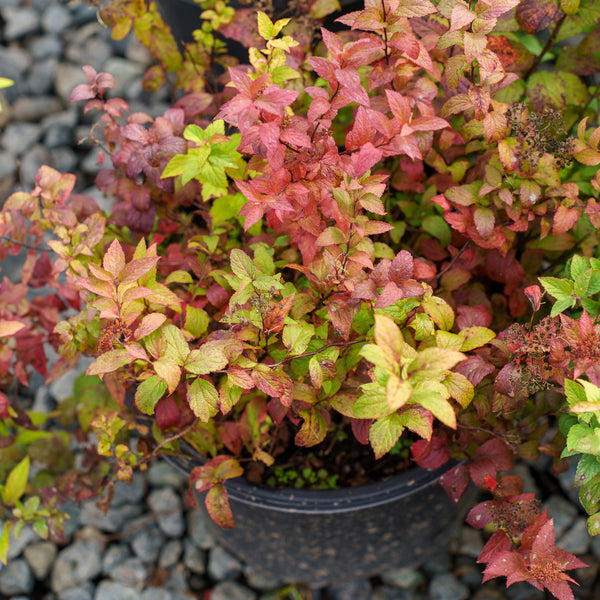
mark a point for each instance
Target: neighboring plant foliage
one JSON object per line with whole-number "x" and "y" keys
{"x": 346, "y": 234}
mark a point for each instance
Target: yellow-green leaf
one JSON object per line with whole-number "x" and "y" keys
{"x": 16, "y": 482}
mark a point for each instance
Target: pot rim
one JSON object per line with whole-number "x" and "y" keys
{"x": 308, "y": 501}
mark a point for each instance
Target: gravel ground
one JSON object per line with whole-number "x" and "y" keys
{"x": 149, "y": 546}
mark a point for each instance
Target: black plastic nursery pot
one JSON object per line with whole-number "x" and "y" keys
{"x": 322, "y": 536}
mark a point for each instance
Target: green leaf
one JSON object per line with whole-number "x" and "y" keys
{"x": 459, "y": 388}
{"x": 582, "y": 283}
{"x": 148, "y": 393}
{"x": 398, "y": 392}
{"x": 593, "y": 524}
{"x": 436, "y": 226}
{"x": 203, "y": 399}
{"x": 434, "y": 401}
{"x": 579, "y": 264}
{"x": 385, "y": 433}
{"x": 110, "y": 361}
{"x": 558, "y": 288}
{"x": 196, "y": 320}
{"x": 372, "y": 403}
{"x": 432, "y": 362}
{"x": 208, "y": 358}
{"x": 589, "y": 495}
{"x": 584, "y": 439}
{"x": 574, "y": 393}
{"x": 4, "y": 541}
{"x": 177, "y": 346}
{"x": 594, "y": 286}
{"x": 226, "y": 208}
{"x": 561, "y": 305}
{"x": 265, "y": 26}
{"x": 16, "y": 482}
{"x": 379, "y": 357}
{"x": 297, "y": 336}
{"x": 228, "y": 469}
{"x": 418, "y": 421}
{"x": 440, "y": 311}
{"x": 241, "y": 264}
{"x": 557, "y": 88}
{"x": 475, "y": 337}
{"x": 168, "y": 370}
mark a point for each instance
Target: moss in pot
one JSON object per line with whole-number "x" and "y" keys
{"x": 348, "y": 239}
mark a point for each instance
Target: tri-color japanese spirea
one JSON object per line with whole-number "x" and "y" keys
{"x": 346, "y": 233}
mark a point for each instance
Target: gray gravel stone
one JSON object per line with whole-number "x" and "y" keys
{"x": 63, "y": 159}
{"x": 388, "y": 592}
{"x": 562, "y": 511}
{"x": 90, "y": 164}
{"x": 40, "y": 557}
{"x": 56, "y": 18}
{"x": 470, "y": 542}
{"x": 222, "y": 564}
{"x": 15, "y": 62}
{"x": 41, "y": 79}
{"x": 58, "y": 135}
{"x": 147, "y": 543}
{"x": 194, "y": 558}
{"x": 444, "y": 586}
{"x": 131, "y": 571}
{"x": 129, "y": 492}
{"x": 199, "y": 530}
{"x": 8, "y": 164}
{"x": 114, "y": 520}
{"x": 66, "y": 77}
{"x": 86, "y": 47}
{"x": 16, "y": 578}
{"x": 165, "y": 503}
{"x": 353, "y": 589}
{"x": 46, "y": 46}
{"x": 19, "y": 137}
{"x": 169, "y": 554}
{"x": 230, "y": 590}
{"x": 576, "y": 539}
{"x": 76, "y": 564}
{"x": 124, "y": 72}
{"x": 20, "y": 23}
{"x": 113, "y": 590}
{"x": 31, "y": 162}
{"x": 405, "y": 578}
{"x": 33, "y": 108}
{"x": 82, "y": 592}
{"x": 440, "y": 562}
{"x": 156, "y": 593}
{"x": 523, "y": 591}
{"x": 114, "y": 555}
{"x": 17, "y": 545}
{"x": 260, "y": 580}
{"x": 162, "y": 474}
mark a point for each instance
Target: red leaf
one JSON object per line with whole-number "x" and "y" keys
{"x": 534, "y": 295}
{"x": 455, "y": 481}
{"x": 275, "y": 318}
{"x": 507, "y": 564}
{"x": 496, "y": 451}
{"x": 535, "y": 15}
{"x": 402, "y": 267}
{"x": 430, "y": 454}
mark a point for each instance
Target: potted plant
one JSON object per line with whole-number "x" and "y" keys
{"x": 333, "y": 255}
